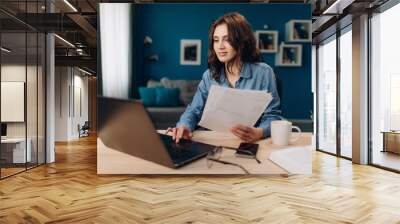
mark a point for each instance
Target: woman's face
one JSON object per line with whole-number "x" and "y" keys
{"x": 223, "y": 49}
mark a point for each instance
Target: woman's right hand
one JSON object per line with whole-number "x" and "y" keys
{"x": 181, "y": 132}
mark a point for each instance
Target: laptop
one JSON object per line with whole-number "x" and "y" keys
{"x": 125, "y": 125}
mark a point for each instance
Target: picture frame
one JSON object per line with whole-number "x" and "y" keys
{"x": 267, "y": 41}
{"x": 299, "y": 30}
{"x": 289, "y": 55}
{"x": 190, "y": 52}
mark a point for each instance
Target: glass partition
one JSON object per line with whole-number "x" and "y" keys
{"x": 41, "y": 107}
{"x": 346, "y": 92}
{"x": 13, "y": 109}
{"x": 22, "y": 77}
{"x": 327, "y": 95}
{"x": 385, "y": 89}
{"x": 31, "y": 99}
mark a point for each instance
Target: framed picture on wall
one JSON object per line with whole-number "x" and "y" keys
{"x": 298, "y": 30}
{"x": 267, "y": 41}
{"x": 289, "y": 55}
{"x": 190, "y": 53}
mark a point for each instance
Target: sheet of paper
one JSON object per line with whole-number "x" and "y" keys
{"x": 294, "y": 160}
{"x": 226, "y": 107}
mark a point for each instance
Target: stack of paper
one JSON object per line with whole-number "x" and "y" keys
{"x": 294, "y": 160}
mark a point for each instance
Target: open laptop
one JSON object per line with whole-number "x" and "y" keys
{"x": 125, "y": 125}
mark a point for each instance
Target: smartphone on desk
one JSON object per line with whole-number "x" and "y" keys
{"x": 247, "y": 150}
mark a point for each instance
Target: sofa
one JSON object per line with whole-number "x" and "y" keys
{"x": 168, "y": 115}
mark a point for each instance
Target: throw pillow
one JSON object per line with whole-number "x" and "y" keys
{"x": 148, "y": 96}
{"x": 167, "y": 97}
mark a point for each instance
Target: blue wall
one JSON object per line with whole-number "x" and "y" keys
{"x": 167, "y": 24}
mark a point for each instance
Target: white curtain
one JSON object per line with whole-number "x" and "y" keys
{"x": 116, "y": 48}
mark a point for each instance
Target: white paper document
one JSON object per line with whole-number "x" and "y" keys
{"x": 226, "y": 107}
{"x": 294, "y": 160}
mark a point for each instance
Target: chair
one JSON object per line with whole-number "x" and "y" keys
{"x": 84, "y": 130}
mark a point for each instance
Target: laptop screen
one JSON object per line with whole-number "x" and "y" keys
{"x": 125, "y": 126}
{"x": 3, "y": 129}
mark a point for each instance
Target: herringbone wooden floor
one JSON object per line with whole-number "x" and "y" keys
{"x": 69, "y": 191}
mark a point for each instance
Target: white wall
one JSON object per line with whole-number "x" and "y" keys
{"x": 71, "y": 102}
{"x": 62, "y": 81}
{"x": 33, "y": 126}
{"x": 16, "y": 73}
{"x": 81, "y": 83}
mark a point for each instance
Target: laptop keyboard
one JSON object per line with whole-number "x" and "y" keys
{"x": 184, "y": 151}
{"x": 181, "y": 150}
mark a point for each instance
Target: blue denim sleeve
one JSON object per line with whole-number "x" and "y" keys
{"x": 272, "y": 112}
{"x": 194, "y": 110}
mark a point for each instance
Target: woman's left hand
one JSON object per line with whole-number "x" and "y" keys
{"x": 248, "y": 134}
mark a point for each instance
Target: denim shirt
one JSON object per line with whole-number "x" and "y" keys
{"x": 253, "y": 76}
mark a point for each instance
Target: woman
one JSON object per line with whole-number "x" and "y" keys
{"x": 233, "y": 61}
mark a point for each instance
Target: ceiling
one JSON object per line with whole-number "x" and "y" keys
{"x": 76, "y": 22}
{"x": 73, "y": 20}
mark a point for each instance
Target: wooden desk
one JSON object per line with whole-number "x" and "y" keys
{"x": 111, "y": 161}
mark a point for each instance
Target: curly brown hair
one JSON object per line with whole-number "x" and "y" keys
{"x": 240, "y": 37}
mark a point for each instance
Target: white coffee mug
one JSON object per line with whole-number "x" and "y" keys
{"x": 281, "y": 132}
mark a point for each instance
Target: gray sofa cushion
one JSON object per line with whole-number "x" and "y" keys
{"x": 153, "y": 83}
{"x": 187, "y": 88}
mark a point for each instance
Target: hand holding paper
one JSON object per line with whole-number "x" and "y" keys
{"x": 227, "y": 107}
